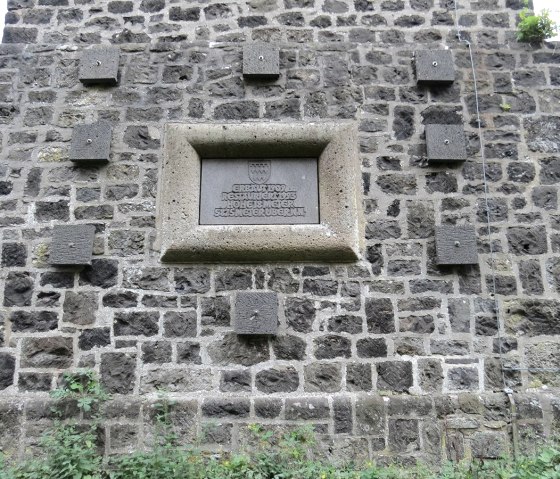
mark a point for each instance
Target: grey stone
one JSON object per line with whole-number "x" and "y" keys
{"x": 345, "y": 324}
{"x": 370, "y": 415}
{"x": 18, "y": 289}
{"x": 300, "y": 314}
{"x": 14, "y": 254}
{"x": 430, "y": 375}
{"x": 188, "y": 353}
{"x": 34, "y": 382}
{"x": 219, "y": 408}
{"x": 380, "y": 316}
{"x": 94, "y": 338}
{"x": 307, "y": 408}
{"x": 52, "y": 210}
{"x": 120, "y": 299}
{"x": 72, "y": 245}
{"x": 244, "y": 350}
{"x": 278, "y": 379}
{"x": 102, "y": 273}
{"x": 192, "y": 280}
{"x": 118, "y": 372}
{"x": 394, "y": 376}
{"x": 527, "y": 241}
{"x": 79, "y": 308}
{"x": 358, "y": 377}
{"x": 462, "y": 379}
{"x": 332, "y": 346}
{"x": 342, "y": 415}
{"x": 156, "y": 352}
{"x": 488, "y": 445}
{"x": 57, "y": 279}
{"x": 235, "y": 381}
{"x": 261, "y": 60}
{"x": 34, "y": 321}
{"x": 322, "y": 377}
{"x": 403, "y": 435}
{"x": 100, "y": 65}
{"x": 371, "y": 348}
{"x": 91, "y": 143}
{"x": 233, "y": 278}
{"x": 256, "y": 313}
{"x": 268, "y": 408}
{"x": 7, "y": 370}
{"x": 137, "y": 323}
{"x": 50, "y": 352}
{"x": 445, "y": 142}
{"x": 434, "y": 66}
{"x": 456, "y": 245}
{"x": 289, "y": 348}
{"x": 216, "y": 311}
{"x": 179, "y": 324}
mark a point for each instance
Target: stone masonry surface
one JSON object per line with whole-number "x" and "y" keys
{"x": 388, "y": 357}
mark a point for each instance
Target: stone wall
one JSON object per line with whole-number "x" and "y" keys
{"x": 390, "y": 356}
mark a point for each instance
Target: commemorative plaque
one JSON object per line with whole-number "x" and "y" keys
{"x": 259, "y": 191}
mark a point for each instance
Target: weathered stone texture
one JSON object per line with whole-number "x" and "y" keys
{"x": 392, "y": 355}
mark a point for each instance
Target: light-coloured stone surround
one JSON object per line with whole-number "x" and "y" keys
{"x": 339, "y": 235}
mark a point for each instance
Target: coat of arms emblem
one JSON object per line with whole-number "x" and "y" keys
{"x": 259, "y": 171}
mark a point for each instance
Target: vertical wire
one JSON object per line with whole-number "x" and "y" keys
{"x": 485, "y": 181}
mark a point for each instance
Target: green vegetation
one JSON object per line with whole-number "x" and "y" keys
{"x": 535, "y": 28}
{"x": 70, "y": 452}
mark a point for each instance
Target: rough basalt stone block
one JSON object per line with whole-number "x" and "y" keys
{"x": 445, "y": 142}
{"x": 72, "y": 244}
{"x": 100, "y": 66}
{"x": 256, "y": 313}
{"x": 456, "y": 245}
{"x": 435, "y": 67}
{"x": 91, "y": 143}
{"x": 261, "y": 60}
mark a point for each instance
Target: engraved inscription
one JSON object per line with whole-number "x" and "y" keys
{"x": 276, "y": 191}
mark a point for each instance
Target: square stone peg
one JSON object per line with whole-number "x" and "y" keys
{"x": 261, "y": 60}
{"x": 445, "y": 143}
{"x": 256, "y": 313}
{"x": 435, "y": 67}
{"x": 456, "y": 245}
{"x": 72, "y": 244}
{"x": 100, "y": 65}
{"x": 91, "y": 143}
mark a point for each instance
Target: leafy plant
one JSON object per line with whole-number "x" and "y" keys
{"x": 535, "y": 28}
{"x": 83, "y": 387}
{"x": 505, "y": 107}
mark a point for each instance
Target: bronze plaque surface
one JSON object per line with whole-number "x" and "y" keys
{"x": 259, "y": 191}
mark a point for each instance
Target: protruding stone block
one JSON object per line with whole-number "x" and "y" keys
{"x": 91, "y": 143}
{"x": 100, "y": 66}
{"x": 445, "y": 143}
{"x": 72, "y": 244}
{"x": 435, "y": 67}
{"x": 456, "y": 245}
{"x": 261, "y": 60}
{"x": 256, "y": 313}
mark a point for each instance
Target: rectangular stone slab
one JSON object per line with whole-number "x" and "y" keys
{"x": 259, "y": 191}
{"x": 435, "y": 67}
{"x": 91, "y": 143}
{"x": 256, "y": 313}
{"x": 445, "y": 143}
{"x": 261, "y": 60}
{"x": 456, "y": 245}
{"x": 72, "y": 244}
{"x": 100, "y": 66}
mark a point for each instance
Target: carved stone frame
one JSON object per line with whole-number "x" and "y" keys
{"x": 337, "y": 238}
